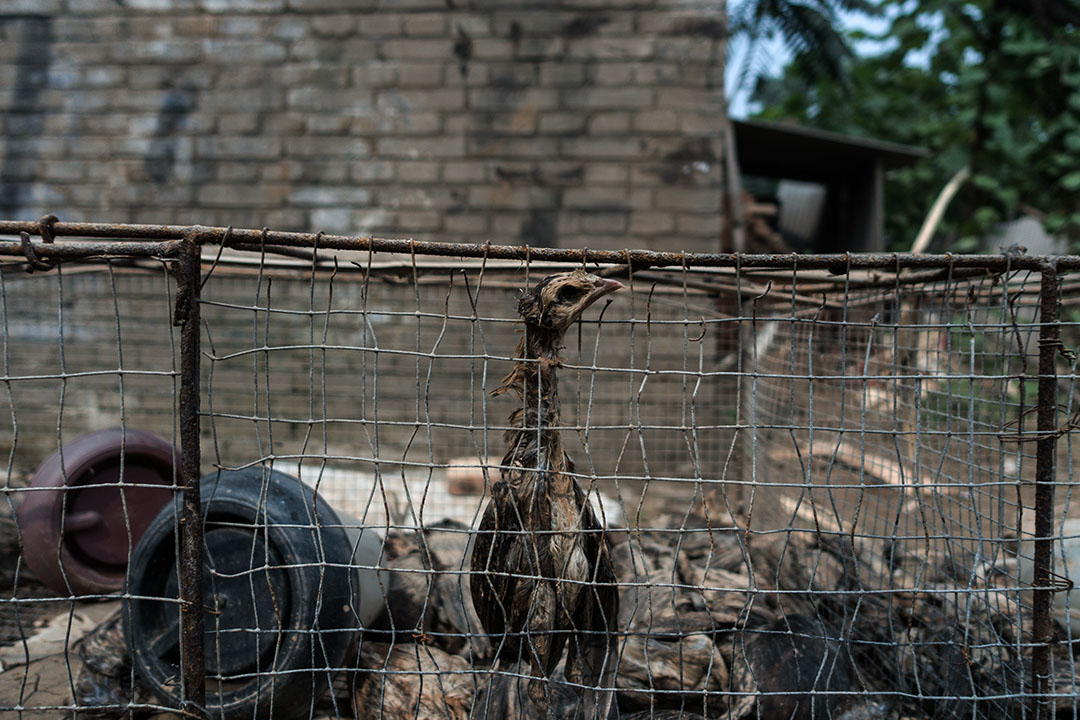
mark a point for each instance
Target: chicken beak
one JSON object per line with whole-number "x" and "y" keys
{"x": 606, "y": 287}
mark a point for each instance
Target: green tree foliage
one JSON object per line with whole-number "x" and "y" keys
{"x": 992, "y": 84}
{"x": 809, "y": 29}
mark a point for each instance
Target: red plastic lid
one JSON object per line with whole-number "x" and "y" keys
{"x": 96, "y": 518}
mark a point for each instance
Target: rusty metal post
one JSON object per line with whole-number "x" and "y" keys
{"x": 1045, "y": 472}
{"x": 192, "y": 658}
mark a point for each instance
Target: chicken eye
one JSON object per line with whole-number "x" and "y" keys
{"x": 569, "y": 293}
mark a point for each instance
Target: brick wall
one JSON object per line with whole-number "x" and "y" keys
{"x": 399, "y": 387}
{"x": 575, "y": 123}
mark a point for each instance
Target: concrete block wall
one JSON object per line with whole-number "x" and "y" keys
{"x": 572, "y": 123}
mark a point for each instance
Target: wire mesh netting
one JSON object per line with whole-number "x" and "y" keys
{"x": 752, "y": 492}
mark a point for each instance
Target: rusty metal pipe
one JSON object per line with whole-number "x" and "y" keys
{"x": 839, "y": 263}
{"x": 192, "y": 653}
{"x": 1042, "y": 619}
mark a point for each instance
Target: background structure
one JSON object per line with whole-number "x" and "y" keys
{"x": 581, "y": 123}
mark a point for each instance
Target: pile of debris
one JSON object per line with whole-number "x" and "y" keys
{"x": 792, "y": 625}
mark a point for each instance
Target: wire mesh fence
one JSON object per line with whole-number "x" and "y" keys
{"x": 762, "y": 486}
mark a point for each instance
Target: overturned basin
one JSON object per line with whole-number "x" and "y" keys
{"x": 283, "y": 596}
{"x": 88, "y": 505}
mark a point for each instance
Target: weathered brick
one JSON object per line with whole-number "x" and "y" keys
{"x": 63, "y": 171}
{"x": 348, "y": 50}
{"x": 81, "y": 7}
{"x": 492, "y": 49}
{"x": 405, "y": 101}
{"x": 562, "y": 123}
{"x": 699, "y": 123}
{"x": 702, "y": 200}
{"x": 696, "y": 21}
{"x": 421, "y": 147}
{"x": 425, "y": 24}
{"x": 434, "y": 49}
{"x": 244, "y": 76}
{"x": 699, "y": 225}
{"x": 656, "y": 73}
{"x": 522, "y": 122}
{"x": 606, "y": 48}
{"x": 602, "y": 148}
{"x": 238, "y": 172}
{"x": 526, "y": 49}
{"x": 326, "y": 146}
{"x": 279, "y": 171}
{"x": 309, "y": 74}
{"x": 246, "y": 6}
{"x": 384, "y": 122}
{"x": 679, "y": 98}
{"x": 474, "y": 222}
{"x": 609, "y": 98}
{"x": 513, "y": 147}
{"x": 252, "y": 196}
{"x": 290, "y": 28}
{"x": 474, "y": 25}
{"x": 533, "y": 21}
{"x": 326, "y": 124}
{"x": 332, "y": 5}
{"x": 604, "y": 222}
{"x": 161, "y": 5}
{"x": 313, "y": 99}
{"x": 379, "y": 25}
{"x": 609, "y": 123}
{"x": 683, "y": 50}
{"x": 562, "y": 74}
{"x": 243, "y": 26}
{"x": 323, "y": 196}
{"x": 540, "y": 98}
{"x": 430, "y": 198}
{"x": 475, "y": 74}
{"x": 322, "y": 172}
{"x": 411, "y": 220}
{"x": 374, "y": 220}
{"x": 610, "y": 73}
{"x": 92, "y": 148}
{"x": 239, "y": 123}
{"x": 420, "y": 74}
{"x": 374, "y": 75}
{"x": 333, "y": 26}
{"x": 30, "y": 7}
{"x": 651, "y": 222}
{"x": 597, "y": 198}
{"x": 166, "y": 51}
{"x": 464, "y": 171}
{"x": 656, "y": 121}
{"x": 281, "y": 124}
{"x": 243, "y": 148}
{"x": 265, "y": 99}
{"x": 104, "y": 77}
{"x": 418, "y": 172}
{"x": 331, "y": 220}
{"x": 601, "y": 173}
{"x": 372, "y": 171}
{"x": 511, "y": 196}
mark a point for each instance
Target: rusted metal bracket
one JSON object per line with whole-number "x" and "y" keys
{"x": 45, "y": 231}
{"x": 186, "y": 315}
{"x": 1042, "y": 630}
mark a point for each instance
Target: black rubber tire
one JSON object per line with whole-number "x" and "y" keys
{"x": 262, "y": 538}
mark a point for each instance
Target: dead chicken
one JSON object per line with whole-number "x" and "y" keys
{"x": 543, "y": 578}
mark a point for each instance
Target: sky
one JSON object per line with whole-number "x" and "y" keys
{"x": 774, "y": 56}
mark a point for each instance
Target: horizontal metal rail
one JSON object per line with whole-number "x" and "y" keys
{"x": 123, "y": 234}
